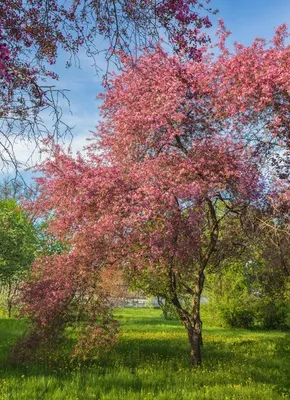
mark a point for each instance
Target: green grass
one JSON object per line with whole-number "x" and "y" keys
{"x": 151, "y": 362}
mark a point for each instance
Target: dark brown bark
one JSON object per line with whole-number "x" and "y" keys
{"x": 195, "y": 343}
{"x": 193, "y": 325}
{"x": 9, "y": 299}
{"x": 195, "y": 334}
{"x": 191, "y": 319}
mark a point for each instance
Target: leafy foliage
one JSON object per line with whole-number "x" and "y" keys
{"x": 18, "y": 242}
{"x": 32, "y": 34}
{"x": 249, "y": 285}
{"x": 177, "y": 139}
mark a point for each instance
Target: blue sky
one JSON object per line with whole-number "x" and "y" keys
{"x": 246, "y": 19}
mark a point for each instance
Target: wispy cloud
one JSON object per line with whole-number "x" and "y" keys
{"x": 246, "y": 19}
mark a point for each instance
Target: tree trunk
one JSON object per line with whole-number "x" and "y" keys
{"x": 194, "y": 332}
{"x": 195, "y": 343}
{"x": 191, "y": 318}
{"x": 165, "y": 313}
{"x": 191, "y": 321}
{"x": 9, "y": 299}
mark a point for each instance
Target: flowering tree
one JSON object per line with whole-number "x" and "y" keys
{"x": 177, "y": 139}
{"x": 32, "y": 33}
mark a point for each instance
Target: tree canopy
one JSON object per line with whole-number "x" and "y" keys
{"x": 34, "y": 32}
{"x": 17, "y": 241}
{"x": 178, "y": 139}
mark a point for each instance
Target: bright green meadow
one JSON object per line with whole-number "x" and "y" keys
{"x": 151, "y": 362}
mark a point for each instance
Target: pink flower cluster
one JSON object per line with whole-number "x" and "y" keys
{"x": 4, "y": 58}
{"x": 174, "y": 135}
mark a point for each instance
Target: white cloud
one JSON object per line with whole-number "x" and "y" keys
{"x": 28, "y": 153}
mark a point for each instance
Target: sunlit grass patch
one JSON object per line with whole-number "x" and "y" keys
{"x": 151, "y": 362}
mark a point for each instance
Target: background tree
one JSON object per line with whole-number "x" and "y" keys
{"x": 176, "y": 139}
{"x": 272, "y": 239}
{"x": 248, "y": 284}
{"x": 32, "y": 33}
{"x": 17, "y": 247}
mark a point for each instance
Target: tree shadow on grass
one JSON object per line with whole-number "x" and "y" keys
{"x": 258, "y": 359}
{"x": 230, "y": 357}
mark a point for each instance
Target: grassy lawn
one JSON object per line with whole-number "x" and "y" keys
{"x": 151, "y": 362}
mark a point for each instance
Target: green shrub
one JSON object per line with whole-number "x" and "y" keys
{"x": 236, "y": 316}
{"x": 274, "y": 315}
